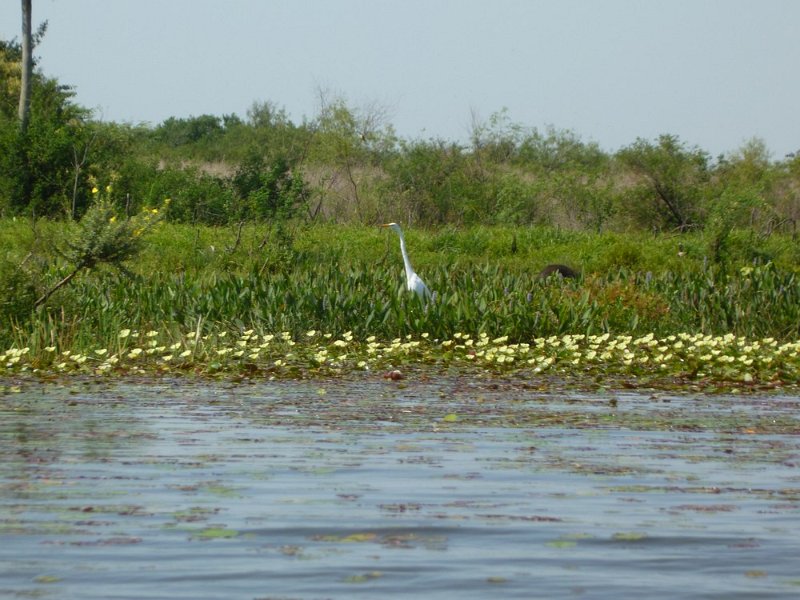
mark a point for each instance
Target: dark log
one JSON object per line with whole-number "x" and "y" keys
{"x": 561, "y": 270}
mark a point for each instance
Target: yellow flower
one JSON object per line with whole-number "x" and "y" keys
{"x": 113, "y": 219}
{"x": 95, "y": 190}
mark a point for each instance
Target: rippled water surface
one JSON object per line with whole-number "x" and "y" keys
{"x": 373, "y": 489}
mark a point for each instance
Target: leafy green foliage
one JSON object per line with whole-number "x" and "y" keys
{"x": 673, "y": 177}
{"x": 438, "y": 183}
{"x": 337, "y": 280}
{"x": 182, "y": 132}
{"x": 38, "y": 167}
{"x": 102, "y": 237}
{"x": 268, "y": 191}
{"x": 347, "y": 165}
{"x": 17, "y": 296}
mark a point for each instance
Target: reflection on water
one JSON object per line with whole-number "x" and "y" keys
{"x": 370, "y": 489}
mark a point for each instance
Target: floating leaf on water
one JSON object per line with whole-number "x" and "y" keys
{"x": 359, "y": 537}
{"x": 450, "y": 418}
{"x": 46, "y": 579}
{"x": 631, "y": 536}
{"x": 215, "y": 533}
{"x": 496, "y": 580}
{"x": 707, "y": 508}
{"x": 221, "y": 490}
{"x": 755, "y": 574}
{"x": 348, "y": 539}
{"x": 112, "y": 541}
{"x": 364, "y": 577}
{"x": 562, "y": 543}
{"x": 195, "y": 513}
{"x": 290, "y": 550}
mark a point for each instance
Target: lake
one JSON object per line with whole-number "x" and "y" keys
{"x": 437, "y": 487}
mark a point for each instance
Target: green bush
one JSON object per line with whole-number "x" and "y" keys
{"x": 672, "y": 182}
{"x": 17, "y": 298}
{"x": 268, "y": 190}
{"x": 38, "y": 169}
{"x": 439, "y": 184}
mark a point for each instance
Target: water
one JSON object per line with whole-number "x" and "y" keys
{"x": 370, "y": 489}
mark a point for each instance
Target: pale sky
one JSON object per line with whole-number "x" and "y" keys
{"x": 716, "y": 73}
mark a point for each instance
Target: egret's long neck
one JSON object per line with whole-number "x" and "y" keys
{"x": 406, "y": 261}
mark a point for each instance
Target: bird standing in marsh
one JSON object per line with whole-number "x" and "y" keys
{"x": 414, "y": 282}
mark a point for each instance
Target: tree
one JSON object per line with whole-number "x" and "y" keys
{"x": 27, "y": 68}
{"x": 38, "y": 150}
{"x": 673, "y": 176}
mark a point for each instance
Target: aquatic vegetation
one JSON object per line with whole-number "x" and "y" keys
{"x": 327, "y": 301}
{"x": 725, "y": 358}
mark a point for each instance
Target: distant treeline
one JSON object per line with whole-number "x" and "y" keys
{"x": 347, "y": 164}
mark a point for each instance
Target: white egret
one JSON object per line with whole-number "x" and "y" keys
{"x": 413, "y": 281}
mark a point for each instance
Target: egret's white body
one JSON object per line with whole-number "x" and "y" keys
{"x": 413, "y": 281}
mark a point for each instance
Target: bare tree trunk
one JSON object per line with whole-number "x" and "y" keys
{"x": 44, "y": 297}
{"x": 27, "y": 67}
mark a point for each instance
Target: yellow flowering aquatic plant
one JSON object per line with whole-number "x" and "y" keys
{"x": 694, "y": 357}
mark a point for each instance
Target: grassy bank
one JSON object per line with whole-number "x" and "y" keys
{"x": 194, "y": 289}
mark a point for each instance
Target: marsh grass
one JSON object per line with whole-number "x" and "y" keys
{"x": 209, "y": 283}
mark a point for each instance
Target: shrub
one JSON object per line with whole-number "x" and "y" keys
{"x": 672, "y": 180}
{"x": 268, "y": 190}
{"x": 102, "y": 237}
{"x": 17, "y": 298}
